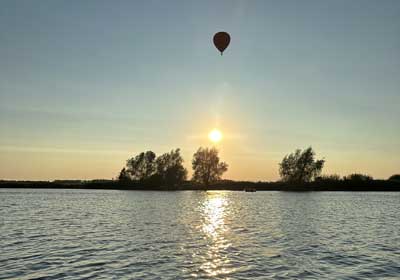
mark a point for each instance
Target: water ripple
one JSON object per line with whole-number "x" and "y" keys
{"x": 78, "y": 234}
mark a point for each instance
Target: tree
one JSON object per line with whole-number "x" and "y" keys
{"x": 395, "y": 177}
{"x": 142, "y": 167}
{"x": 169, "y": 168}
{"x": 206, "y": 166}
{"x": 300, "y": 166}
{"x": 123, "y": 175}
{"x": 358, "y": 177}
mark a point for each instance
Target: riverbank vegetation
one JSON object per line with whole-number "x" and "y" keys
{"x": 299, "y": 171}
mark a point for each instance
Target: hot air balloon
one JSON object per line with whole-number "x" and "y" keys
{"x": 221, "y": 41}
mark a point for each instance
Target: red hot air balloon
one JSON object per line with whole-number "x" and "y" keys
{"x": 221, "y": 41}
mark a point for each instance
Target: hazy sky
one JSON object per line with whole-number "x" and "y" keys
{"x": 86, "y": 84}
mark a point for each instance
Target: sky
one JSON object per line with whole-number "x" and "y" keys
{"x": 85, "y": 85}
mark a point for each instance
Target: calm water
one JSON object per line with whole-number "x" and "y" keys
{"x": 76, "y": 234}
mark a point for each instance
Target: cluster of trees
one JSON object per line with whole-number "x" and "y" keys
{"x": 299, "y": 167}
{"x": 355, "y": 177}
{"x": 302, "y": 167}
{"x": 147, "y": 168}
{"x": 168, "y": 169}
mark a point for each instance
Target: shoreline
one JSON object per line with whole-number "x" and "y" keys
{"x": 343, "y": 185}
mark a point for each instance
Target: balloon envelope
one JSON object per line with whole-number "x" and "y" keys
{"x": 221, "y": 41}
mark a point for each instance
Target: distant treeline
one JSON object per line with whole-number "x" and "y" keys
{"x": 299, "y": 171}
{"x": 341, "y": 185}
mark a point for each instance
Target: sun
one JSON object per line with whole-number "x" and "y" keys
{"x": 215, "y": 135}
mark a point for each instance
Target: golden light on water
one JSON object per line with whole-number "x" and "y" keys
{"x": 215, "y": 208}
{"x": 215, "y": 136}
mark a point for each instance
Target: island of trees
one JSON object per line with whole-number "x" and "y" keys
{"x": 299, "y": 171}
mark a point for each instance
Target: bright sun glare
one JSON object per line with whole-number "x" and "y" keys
{"x": 215, "y": 135}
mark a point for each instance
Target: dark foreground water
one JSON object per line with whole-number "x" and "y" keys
{"x": 84, "y": 234}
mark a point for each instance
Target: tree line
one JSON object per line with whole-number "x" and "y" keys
{"x": 296, "y": 168}
{"x": 299, "y": 171}
{"x": 168, "y": 170}
{"x": 302, "y": 167}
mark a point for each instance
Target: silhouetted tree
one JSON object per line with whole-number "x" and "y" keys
{"x": 142, "y": 167}
{"x": 123, "y": 175}
{"x": 300, "y": 166}
{"x": 395, "y": 177}
{"x": 169, "y": 168}
{"x": 358, "y": 177}
{"x": 206, "y": 166}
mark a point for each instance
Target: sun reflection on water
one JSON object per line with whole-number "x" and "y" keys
{"x": 214, "y": 212}
{"x": 216, "y": 262}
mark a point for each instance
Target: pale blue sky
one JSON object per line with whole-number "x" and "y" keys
{"x": 86, "y": 84}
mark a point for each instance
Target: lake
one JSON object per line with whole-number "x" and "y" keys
{"x": 107, "y": 234}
